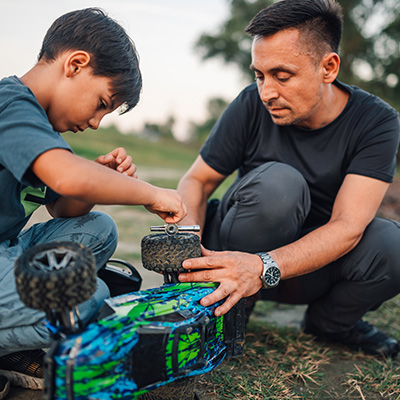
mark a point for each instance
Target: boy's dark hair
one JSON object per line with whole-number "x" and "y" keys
{"x": 319, "y": 21}
{"x": 113, "y": 53}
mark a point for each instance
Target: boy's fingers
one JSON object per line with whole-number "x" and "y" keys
{"x": 126, "y": 164}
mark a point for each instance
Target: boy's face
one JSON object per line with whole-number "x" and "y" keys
{"x": 81, "y": 102}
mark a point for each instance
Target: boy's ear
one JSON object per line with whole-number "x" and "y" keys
{"x": 75, "y": 61}
{"x": 330, "y": 65}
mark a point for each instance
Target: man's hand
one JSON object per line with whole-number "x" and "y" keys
{"x": 238, "y": 274}
{"x": 168, "y": 205}
{"x": 119, "y": 161}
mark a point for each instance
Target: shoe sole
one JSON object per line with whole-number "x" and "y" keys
{"x": 4, "y": 392}
{"x": 22, "y": 380}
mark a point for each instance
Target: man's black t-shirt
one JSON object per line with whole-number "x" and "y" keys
{"x": 362, "y": 140}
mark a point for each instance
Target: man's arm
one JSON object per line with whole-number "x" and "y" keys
{"x": 195, "y": 187}
{"x": 238, "y": 273}
{"x": 89, "y": 182}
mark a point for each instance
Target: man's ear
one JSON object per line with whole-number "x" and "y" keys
{"x": 330, "y": 65}
{"x": 75, "y": 61}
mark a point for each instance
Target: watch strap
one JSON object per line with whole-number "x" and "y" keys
{"x": 267, "y": 263}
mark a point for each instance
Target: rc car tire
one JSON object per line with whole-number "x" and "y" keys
{"x": 165, "y": 253}
{"x": 55, "y": 276}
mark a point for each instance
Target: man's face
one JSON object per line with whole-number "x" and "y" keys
{"x": 81, "y": 102}
{"x": 289, "y": 82}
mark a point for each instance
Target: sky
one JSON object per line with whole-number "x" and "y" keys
{"x": 175, "y": 79}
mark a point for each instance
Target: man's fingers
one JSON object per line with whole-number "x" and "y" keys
{"x": 199, "y": 276}
{"x": 209, "y": 260}
{"x": 228, "y": 304}
{"x": 223, "y": 292}
{"x": 206, "y": 252}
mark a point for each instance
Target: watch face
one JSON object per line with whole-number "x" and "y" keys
{"x": 272, "y": 276}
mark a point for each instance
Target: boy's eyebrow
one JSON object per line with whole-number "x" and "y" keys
{"x": 112, "y": 106}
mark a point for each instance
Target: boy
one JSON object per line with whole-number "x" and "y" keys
{"x": 87, "y": 68}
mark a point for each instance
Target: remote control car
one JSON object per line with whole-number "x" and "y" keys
{"x": 142, "y": 340}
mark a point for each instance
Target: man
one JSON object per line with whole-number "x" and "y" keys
{"x": 315, "y": 158}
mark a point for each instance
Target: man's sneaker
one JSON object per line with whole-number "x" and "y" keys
{"x": 4, "y": 387}
{"x": 363, "y": 336}
{"x": 24, "y": 368}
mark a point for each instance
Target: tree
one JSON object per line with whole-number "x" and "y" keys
{"x": 370, "y": 50}
{"x": 215, "y": 107}
{"x": 159, "y": 131}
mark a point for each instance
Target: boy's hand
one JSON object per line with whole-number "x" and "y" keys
{"x": 119, "y": 161}
{"x": 168, "y": 205}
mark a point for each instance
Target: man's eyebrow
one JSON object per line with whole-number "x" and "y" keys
{"x": 278, "y": 68}
{"x": 253, "y": 68}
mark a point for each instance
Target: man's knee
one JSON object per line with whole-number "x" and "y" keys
{"x": 270, "y": 203}
{"x": 283, "y": 189}
{"x": 275, "y": 192}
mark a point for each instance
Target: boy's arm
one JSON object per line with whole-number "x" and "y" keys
{"x": 117, "y": 160}
{"x": 84, "y": 183}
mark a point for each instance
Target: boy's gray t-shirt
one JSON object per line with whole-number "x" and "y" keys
{"x": 25, "y": 133}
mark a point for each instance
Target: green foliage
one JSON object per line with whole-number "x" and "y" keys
{"x": 163, "y": 131}
{"x": 231, "y": 43}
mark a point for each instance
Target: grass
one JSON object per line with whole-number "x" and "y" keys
{"x": 279, "y": 363}
{"x": 283, "y": 363}
{"x": 164, "y": 153}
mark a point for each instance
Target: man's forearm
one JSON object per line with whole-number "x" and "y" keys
{"x": 317, "y": 249}
{"x": 195, "y": 198}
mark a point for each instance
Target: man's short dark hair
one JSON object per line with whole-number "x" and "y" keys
{"x": 320, "y": 22}
{"x": 113, "y": 53}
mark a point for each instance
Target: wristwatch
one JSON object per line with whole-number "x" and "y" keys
{"x": 271, "y": 274}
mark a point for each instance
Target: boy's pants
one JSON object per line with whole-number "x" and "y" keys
{"x": 266, "y": 209}
{"x": 22, "y": 328}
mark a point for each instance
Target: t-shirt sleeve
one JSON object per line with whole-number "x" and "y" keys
{"x": 377, "y": 148}
{"x": 25, "y": 133}
{"x": 224, "y": 148}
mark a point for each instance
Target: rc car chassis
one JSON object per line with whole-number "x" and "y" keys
{"x": 142, "y": 340}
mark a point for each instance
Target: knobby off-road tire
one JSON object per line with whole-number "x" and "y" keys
{"x": 165, "y": 253}
{"x": 55, "y": 276}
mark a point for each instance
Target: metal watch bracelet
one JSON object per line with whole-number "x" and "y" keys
{"x": 271, "y": 273}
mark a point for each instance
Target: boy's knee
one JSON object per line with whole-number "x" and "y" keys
{"x": 100, "y": 225}
{"x": 90, "y": 308}
{"x": 101, "y": 221}
{"x": 98, "y": 232}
